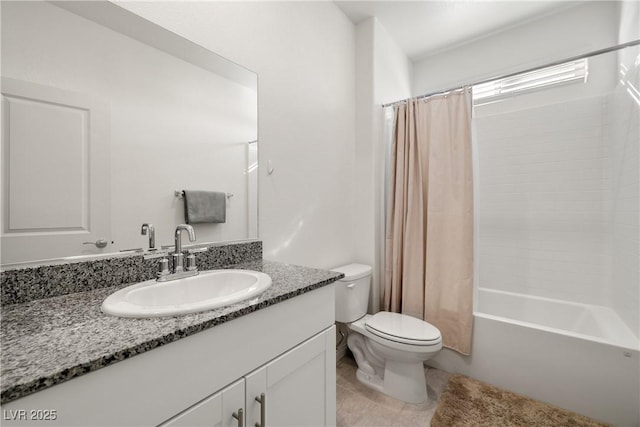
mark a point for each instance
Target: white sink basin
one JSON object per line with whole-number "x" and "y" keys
{"x": 206, "y": 291}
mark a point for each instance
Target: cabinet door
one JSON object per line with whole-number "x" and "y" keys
{"x": 215, "y": 411}
{"x": 299, "y": 387}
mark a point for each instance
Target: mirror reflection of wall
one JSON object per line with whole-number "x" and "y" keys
{"x": 171, "y": 125}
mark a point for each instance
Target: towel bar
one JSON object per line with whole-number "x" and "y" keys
{"x": 180, "y": 194}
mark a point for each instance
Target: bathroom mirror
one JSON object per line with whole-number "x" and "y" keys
{"x": 107, "y": 117}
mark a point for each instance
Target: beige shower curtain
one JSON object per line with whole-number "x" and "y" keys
{"x": 429, "y": 237}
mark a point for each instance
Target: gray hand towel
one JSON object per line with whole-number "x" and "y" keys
{"x": 205, "y": 206}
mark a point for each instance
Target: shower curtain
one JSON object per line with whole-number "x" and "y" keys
{"x": 429, "y": 233}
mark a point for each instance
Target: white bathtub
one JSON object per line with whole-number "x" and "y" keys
{"x": 591, "y": 322}
{"x": 576, "y": 356}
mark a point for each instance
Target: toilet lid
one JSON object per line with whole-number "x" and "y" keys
{"x": 403, "y": 328}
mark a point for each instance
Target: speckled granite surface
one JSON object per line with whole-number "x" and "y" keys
{"x": 48, "y": 341}
{"x": 23, "y": 284}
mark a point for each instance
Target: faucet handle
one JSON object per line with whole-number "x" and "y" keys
{"x": 163, "y": 267}
{"x": 152, "y": 235}
{"x": 190, "y": 264}
{"x": 178, "y": 261}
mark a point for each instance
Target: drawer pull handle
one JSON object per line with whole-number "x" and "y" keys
{"x": 239, "y": 416}
{"x": 262, "y": 400}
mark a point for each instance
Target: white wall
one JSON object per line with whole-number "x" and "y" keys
{"x": 576, "y": 30}
{"x": 364, "y": 173}
{"x": 629, "y": 21}
{"x": 383, "y": 75}
{"x": 165, "y": 135}
{"x": 392, "y": 68}
{"x": 304, "y": 54}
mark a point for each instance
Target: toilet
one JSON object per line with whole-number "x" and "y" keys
{"x": 389, "y": 348}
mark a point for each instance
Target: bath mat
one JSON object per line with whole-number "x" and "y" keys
{"x": 468, "y": 402}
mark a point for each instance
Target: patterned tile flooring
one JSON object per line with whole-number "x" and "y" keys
{"x": 359, "y": 405}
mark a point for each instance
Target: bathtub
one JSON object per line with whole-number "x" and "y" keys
{"x": 591, "y": 322}
{"x": 576, "y": 356}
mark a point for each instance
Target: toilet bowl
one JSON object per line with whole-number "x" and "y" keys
{"x": 389, "y": 348}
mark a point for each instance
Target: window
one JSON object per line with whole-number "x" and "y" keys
{"x": 569, "y": 72}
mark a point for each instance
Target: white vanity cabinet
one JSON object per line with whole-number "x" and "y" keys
{"x": 292, "y": 390}
{"x": 296, "y": 388}
{"x": 286, "y": 351}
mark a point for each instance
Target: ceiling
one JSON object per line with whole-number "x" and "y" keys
{"x": 423, "y": 28}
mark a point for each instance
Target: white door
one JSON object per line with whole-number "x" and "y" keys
{"x": 299, "y": 387}
{"x": 222, "y": 409}
{"x": 55, "y": 173}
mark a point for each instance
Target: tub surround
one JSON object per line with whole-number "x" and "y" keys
{"x": 48, "y": 341}
{"x": 23, "y": 284}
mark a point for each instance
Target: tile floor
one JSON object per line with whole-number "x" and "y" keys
{"x": 358, "y": 405}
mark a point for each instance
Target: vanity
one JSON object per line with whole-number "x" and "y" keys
{"x": 269, "y": 360}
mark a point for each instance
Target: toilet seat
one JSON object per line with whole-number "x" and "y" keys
{"x": 403, "y": 329}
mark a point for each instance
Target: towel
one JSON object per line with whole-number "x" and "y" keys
{"x": 205, "y": 206}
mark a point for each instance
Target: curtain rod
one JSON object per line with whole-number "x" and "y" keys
{"x": 504, "y": 76}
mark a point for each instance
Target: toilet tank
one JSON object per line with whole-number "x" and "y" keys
{"x": 352, "y": 292}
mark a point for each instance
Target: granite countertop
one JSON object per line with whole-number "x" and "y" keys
{"x": 49, "y": 341}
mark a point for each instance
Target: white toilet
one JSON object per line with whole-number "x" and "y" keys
{"x": 389, "y": 348}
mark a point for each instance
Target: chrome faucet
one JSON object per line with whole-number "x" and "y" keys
{"x": 178, "y": 256}
{"x": 179, "y": 269}
{"x": 152, "y": 235}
